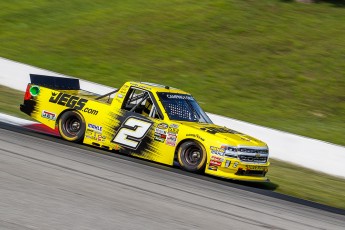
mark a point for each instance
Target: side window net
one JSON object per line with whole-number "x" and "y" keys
{"x": 139, "y": 101}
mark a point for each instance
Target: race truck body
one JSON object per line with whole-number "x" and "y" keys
{"x": 150, "y": 121}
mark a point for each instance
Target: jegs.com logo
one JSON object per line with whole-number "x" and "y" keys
{"x": 72, "y": 102}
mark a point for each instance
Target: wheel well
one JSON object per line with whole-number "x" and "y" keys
{"x": 58, "y": 118}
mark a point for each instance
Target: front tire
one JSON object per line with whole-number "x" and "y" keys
{"x": 192, "y": 156}
{"x": 72, "y": 126}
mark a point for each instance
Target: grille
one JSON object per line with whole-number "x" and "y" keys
{"x": 248, "y": 150}
{"x": 252, "y": 159}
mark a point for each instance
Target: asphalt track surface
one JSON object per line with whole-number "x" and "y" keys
{"x": 48, "y": 183}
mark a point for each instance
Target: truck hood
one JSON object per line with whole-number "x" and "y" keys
{"x": 223, "y": 132}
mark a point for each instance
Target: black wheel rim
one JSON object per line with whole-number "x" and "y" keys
{"x": 72, "y": 125}
{"x": 193, "y": 155}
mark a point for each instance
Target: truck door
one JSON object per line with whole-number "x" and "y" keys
{"x": 140, "y": 117}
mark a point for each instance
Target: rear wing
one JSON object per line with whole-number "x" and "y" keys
{"x": 64, "y": 83}
{"x": 58, "y": 83}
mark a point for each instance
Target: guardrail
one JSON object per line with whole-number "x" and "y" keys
{"x": 307, "y": 152}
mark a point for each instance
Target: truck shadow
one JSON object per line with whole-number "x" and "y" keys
{"x": 260, "y": 185}
{"x": 269, "y": 185}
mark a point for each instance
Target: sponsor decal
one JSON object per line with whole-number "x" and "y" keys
{"x": 160, "y": 135}
{"x": 235, "y": 165}
{"x": 91, "y": 111}
{"x": 196, "y": 136}
{"x": 217, "y": 151}
{"x": 154, "y": 84}
{"x": 215, "y": 163}
{"x": 48, "y": 115}
{"x": 227, "y": 163}
{"x": 179, "y": 96}
{"x": 72, "y": 102}
{"x": 124, "y": 89}
{"x": 159, "y": 139}
{"x": 120, "y": 96}
{"x": 173, "y": 130}
{"x": 174, "y": 126}
{"x": 215, "y": 130}
{"x": 100, "y": 137}
{"x": 95, "y": 127}
{"x": 199, "y": 137}
{"x": 162, "y": 126}
{"x": 94, "y": 135}
{"x": 213, "y": 168}
{"x": 171, "y": 139}
{"x": 89, "y": 132}
{"x": 216, "y": 158}
{"x": 255, "y": 167}
{"x": 142, "y": 86}
{"x": 160, "y": 131}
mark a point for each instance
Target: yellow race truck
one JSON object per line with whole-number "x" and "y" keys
{"x": 150, "y": 121}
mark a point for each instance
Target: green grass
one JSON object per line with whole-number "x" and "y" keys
{"x": 274, "y": 63}
{"x": 9, "y": 102}
{"x": 286, "y": 178}
{"x": 307, "y": 184}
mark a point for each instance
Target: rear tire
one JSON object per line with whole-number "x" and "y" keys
{"x": 72, "y": 126}
{"x": 192, "y": 156}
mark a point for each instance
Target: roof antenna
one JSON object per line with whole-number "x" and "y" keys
{"x": 167, "y": 87}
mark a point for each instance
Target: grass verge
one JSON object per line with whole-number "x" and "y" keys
{"x": 307, "y": 184}
{"x": 286, "y": 178}
{"x": 9, "y": 102}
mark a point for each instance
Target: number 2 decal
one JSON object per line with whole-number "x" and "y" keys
{"x": 132, "y": 132}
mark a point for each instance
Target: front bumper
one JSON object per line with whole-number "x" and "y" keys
{"x": 232, "y": 168}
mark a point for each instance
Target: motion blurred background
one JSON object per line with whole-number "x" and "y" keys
{"x": 276, "y": 63}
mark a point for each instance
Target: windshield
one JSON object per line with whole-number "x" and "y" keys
{"x": 182, "y": 107}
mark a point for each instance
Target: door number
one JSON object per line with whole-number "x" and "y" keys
{"x": 132, "y": 132}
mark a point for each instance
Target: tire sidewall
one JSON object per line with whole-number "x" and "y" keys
{"x": 62, "y": 126}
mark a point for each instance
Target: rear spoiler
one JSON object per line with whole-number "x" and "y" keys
{"x": 58, "y": 83}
